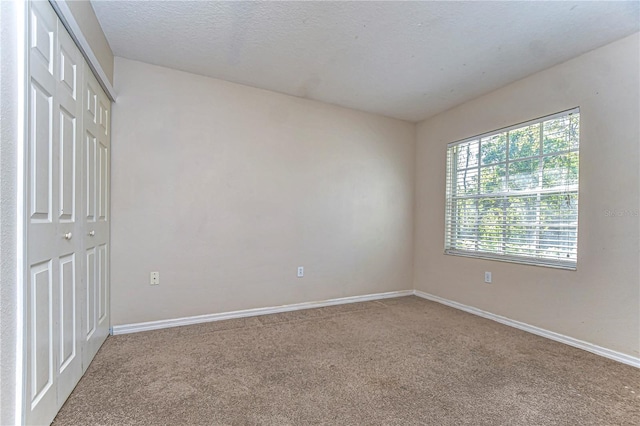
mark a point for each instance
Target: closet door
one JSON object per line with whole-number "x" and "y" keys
{"x": 53, "y": 249}
{"x": 43, "y": 238}
{"x": 96, "y": 215}
{"x": 69, "y": 99}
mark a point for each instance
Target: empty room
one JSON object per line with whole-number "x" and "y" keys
{"x": 317, "y": 212}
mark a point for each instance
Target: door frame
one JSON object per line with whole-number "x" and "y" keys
{"x": 13, "y": 36}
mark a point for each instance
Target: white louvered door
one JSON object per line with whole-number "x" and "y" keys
{"x": 66, "y": 208}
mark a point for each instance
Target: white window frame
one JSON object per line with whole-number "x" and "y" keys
{"x": 451, "y": 182}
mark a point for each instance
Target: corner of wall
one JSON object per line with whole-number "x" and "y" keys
{"x": 414, "y": 214}
{"x": 598, "y": 303}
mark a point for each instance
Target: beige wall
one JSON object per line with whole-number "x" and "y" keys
{"x": 85, "y": 16}
{"x": 225, "y": 189}
{"x": 600, "y": 302}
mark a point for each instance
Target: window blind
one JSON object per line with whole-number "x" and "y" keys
{"x": 512, "y": 194}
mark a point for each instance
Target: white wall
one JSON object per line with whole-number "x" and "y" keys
{"x": 225, "y": 189}
{"x": 8, "y": 209}
{"x": 600, "y": 302}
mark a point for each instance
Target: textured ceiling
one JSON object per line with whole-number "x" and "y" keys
{"x": 408, "y": 60}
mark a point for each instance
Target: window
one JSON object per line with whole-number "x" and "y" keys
{"x": 512, "y": 194}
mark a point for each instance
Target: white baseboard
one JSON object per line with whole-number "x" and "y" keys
{"x": 177, "y": 322}
{"x": 590, "y": 347}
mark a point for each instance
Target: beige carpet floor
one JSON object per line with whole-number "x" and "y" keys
{"x": 402, "y": 361}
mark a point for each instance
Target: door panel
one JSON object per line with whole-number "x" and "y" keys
{"x": 68, "y": 79}
{"x": 42, "y": 234}
{"x": 67, "y": 311}
{"x": 102, "y": 283}
{"x": 104, "y": 180}
{"x": 68, "y": 70}
{"x": 96, "y": 214}
{"x": 67, "y": 158}
{"x": 41, "y": 141}
{"x": 41, "y": 336}
{"x": 103, "y": 118}
{"x": 90, "y": 176}
{"x": 43, "y": 28}
{"x": 92, "y": 102}
{"x": 90, "y": 291}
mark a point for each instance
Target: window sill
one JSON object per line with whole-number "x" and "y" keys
{"x": 570, "y": 266}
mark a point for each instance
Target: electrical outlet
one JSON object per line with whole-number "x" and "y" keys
{"x": 300, "y": 271}
{"x": 154, "y": 278}
{"x": 487, "y": 277}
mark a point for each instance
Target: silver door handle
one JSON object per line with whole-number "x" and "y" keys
{"x": 68, "y": 236}
{"x": 92, "y": 233}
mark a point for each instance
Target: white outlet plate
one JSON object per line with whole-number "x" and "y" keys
{"x": 300, "y": 271}
{"x": 487, "y": 277}
{"x": 154, "y": 278}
